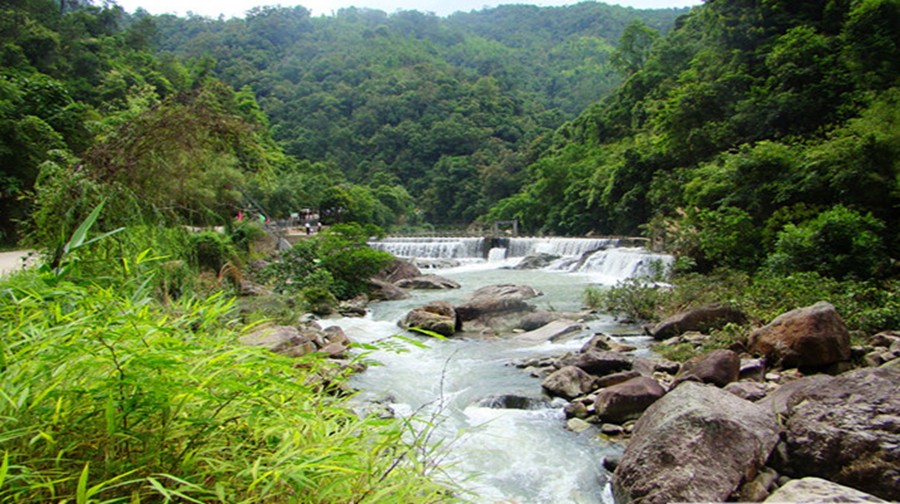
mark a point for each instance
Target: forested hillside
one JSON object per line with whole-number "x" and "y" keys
{"x": 756, "y": 133}
{"x": 446, "y": 108}
{"x": 388, "y": 119}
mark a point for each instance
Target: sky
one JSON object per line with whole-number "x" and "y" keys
{"x": 237, "y": 8}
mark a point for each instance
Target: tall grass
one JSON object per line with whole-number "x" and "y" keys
{"x": 107, "y": 395}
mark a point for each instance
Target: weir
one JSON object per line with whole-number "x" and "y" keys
{"x": 608, "y": 258}
{"x": 465, "y": 247}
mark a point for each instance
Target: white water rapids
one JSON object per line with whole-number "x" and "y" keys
{"x": 495, "y": 454}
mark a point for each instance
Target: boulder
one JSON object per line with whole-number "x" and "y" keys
{"x": 695, "y": 444}
{"x": 616, "y": 378}
{"x": 497, "y": 300}
{"x": 550, "y": 332}
{"x": 512, "y": 401}
{"x": 847, "y": 431}
{"x": 627, "y": 400}
{"x": 536, "y": 320}
{"x": 536, "y": 261}
{"x": 599, "y": 341}
{"x": 568, "y": 382}
{"x": 284, "y": 340}
{"x": 385, "y": 291}
{"x": 438, "y": 317}
{"x": 815, "y": 490}
{"x": 432, "y": 282}
{"x": 599, "y": 363}
{"x": 778, "y": 400}
{"x": 749, "y": 390}
{"x": 702, "y": 319}
{"x": 719, "y": 367}
{"x": 812, "y": 336}
{"x": 398, "y": 270}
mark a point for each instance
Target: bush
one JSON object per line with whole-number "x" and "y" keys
{"x": 838, "y": 243}
{"x": 210, "y": 250}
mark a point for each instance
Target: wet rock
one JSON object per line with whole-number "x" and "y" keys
{"x": 536, "y": 261}
{"x": 885, "y": 339}
{"x": 703, "y": 319}
{"x": 438, "y": 317}
{"x": 847, "y": 431}
{"x": 248, "y": 288}
{"x": 355, "y": 307}
{"x": 669, "y": 457}
{"x": 812, "y": 336}
{"x": 577, "y": 425}
{"x": 497, "y": 300}
{"x": 385, "y": 291}
{"x": 550, "y": 332}
{"x": 427, "y": 282}
{"x": 719, "y": 367}
{"x": 569, "y": 382}
{"x": 537, "y": 319}
{"x": 627, "y": 400}
{"x": 512, "y": 401}
{"x": 597, "y": 342}
{"x": 815, "y": 490}
{"x": 599, "y": 363}
{"x": 611, "y": 429}
{"x": 397, "y": 271}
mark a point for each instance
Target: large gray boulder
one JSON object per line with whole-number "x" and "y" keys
{"x": 569, "y": 382}
{"x": 398, "y": 270}
{"x": 550, "y": 332}
{"x": 385, "y": 291}
{"x": 438, "y": 317}
{"x": 719, "y": 367}
{"x": 598, "y": 362}
{"x": 695, "y": 444}
{"x": 812, "y": 336}
{"x": 815, "y": 490}
{"x": 498, "y": 300}
{"x": 627, "y": 400}
{"x": 431, "y": 282}
{"x": 847, "y": 430}
{"x": 701, "y": 319}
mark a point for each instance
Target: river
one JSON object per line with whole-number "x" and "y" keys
{"x": 496, "y": 454}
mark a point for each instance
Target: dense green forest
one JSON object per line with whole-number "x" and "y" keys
{"x": 755, "y": 134}
{"x": 389, "y": 119}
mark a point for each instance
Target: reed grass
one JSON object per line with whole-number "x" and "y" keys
{"x": 108, "y": 395}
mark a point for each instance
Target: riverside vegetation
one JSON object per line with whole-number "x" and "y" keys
{"x": 756, "y": 141}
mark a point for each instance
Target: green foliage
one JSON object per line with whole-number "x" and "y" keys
{"x": 110, "y": 397}
{"x": 211, "y": 250}
{"x": 745, "y": 119}
{"x": 631, "y": 300}
{"x": 838, "y": 243}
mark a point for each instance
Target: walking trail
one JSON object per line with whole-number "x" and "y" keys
{"x": 11, "y": 261}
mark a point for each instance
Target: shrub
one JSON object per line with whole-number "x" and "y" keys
{"x": 210, "y": 250}
{"x": 838, "y": 243}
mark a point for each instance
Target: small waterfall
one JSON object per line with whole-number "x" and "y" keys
{"x": 611, "y": 265}
{"x": 497, "y": 254}
{"x": 565, "y": 247}
{"x": 432, "y": 247}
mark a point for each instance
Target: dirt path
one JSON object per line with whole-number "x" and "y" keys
{"x": 11, "y": 261}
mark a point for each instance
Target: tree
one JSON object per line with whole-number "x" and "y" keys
{"x": 634, "y": 47}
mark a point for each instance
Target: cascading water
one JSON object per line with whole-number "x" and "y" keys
{"x": 432, "y": 248}
{"x": 496, "y": 454}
